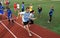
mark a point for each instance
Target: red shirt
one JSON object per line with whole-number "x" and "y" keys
{"x": 15, "y": 5}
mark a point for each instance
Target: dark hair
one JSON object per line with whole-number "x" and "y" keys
{"x": 27, "y": 7}
{"x": 32, "y": 11}
{"x": 7, "y": 7}
{"x": 22, "y": 2}
{"x": 0, "y": 4}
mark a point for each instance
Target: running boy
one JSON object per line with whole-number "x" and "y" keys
{"x": 9, "y": 15}
{"x": 25, "y": 19}
{"x": 1, "y": 11}
{"x": 22, "y": 6}
{"x": 32, "y": 17}
{"x": 50, "y": 14}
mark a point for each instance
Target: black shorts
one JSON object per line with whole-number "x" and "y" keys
{"x": 31, "y": 21}
{"x": 22, "y": 10}
{"x": 25, "y": 23}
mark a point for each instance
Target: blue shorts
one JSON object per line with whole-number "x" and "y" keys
{"x": 9, "y": 16}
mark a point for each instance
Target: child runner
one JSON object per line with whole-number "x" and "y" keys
{"x": 32, "y": 17}
{"x": 25, "y": 19}
{"x": 7, "y": 3}
{"x": 18, "y": 6}
{"x": 22, "y": 6}
{"x": 39, "y": 10}
{"x": 1, "y": 11}
{"x": 50, "y": 14}
{"x": 31, "y": 7}
{"x": 9, "y": 15}
{"x": 15, "y": 7}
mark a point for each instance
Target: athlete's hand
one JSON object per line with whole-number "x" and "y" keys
{"x": 34, "y": 18}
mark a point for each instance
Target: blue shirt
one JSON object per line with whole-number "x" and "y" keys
{"x": 22, "y": 6}
{"x": 26, "y": 17}
{"x": 9, "y": 12}
{"x": 1, "y": 10}
{"x": 51, "y": 11}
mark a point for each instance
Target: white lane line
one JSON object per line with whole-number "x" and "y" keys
{"x": 8, "y": 29}
{"x": 26, "y": 29}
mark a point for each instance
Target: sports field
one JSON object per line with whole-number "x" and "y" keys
{"x": 41, "y": 28}
{"x": 42, "y": 21}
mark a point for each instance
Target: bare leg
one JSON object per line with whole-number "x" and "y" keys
{"x": 0, "y": 17}
{"x": 27, "y": 27}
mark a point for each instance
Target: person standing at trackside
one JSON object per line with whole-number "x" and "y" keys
{"x": 18, "y": 6}
{"x": 51, "y": 13}
{"x": 15, "y": 7}
{"x": 25, "y": 19}
{"x": 31, "y": 7}
{"x": 39, "y": 10}
{"x": 23, "y": 6}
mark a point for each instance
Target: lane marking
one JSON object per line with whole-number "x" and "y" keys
{"x": 30, "y": 30}
{"x": 26, "y": 29}
{"x": 8, "y": 29}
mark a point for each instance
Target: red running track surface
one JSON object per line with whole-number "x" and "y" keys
{"x": 20, "y": 32}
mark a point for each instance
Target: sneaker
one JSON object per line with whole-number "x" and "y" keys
{"x": 9, "y": 21}
{"x": 30, "y": 34}
{"x": 12, "y": 21}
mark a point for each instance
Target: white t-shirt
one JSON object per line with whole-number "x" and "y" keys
{"x": 22, "y": 13}
{"x": 25, "y": 16}
{"x": 18, "y": 6}
{"x": 31, "y": 15}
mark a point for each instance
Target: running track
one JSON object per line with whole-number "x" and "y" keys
{"x": 16, "y": 30}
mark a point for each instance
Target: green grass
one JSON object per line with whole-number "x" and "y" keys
{"x": 42, "y": 21}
